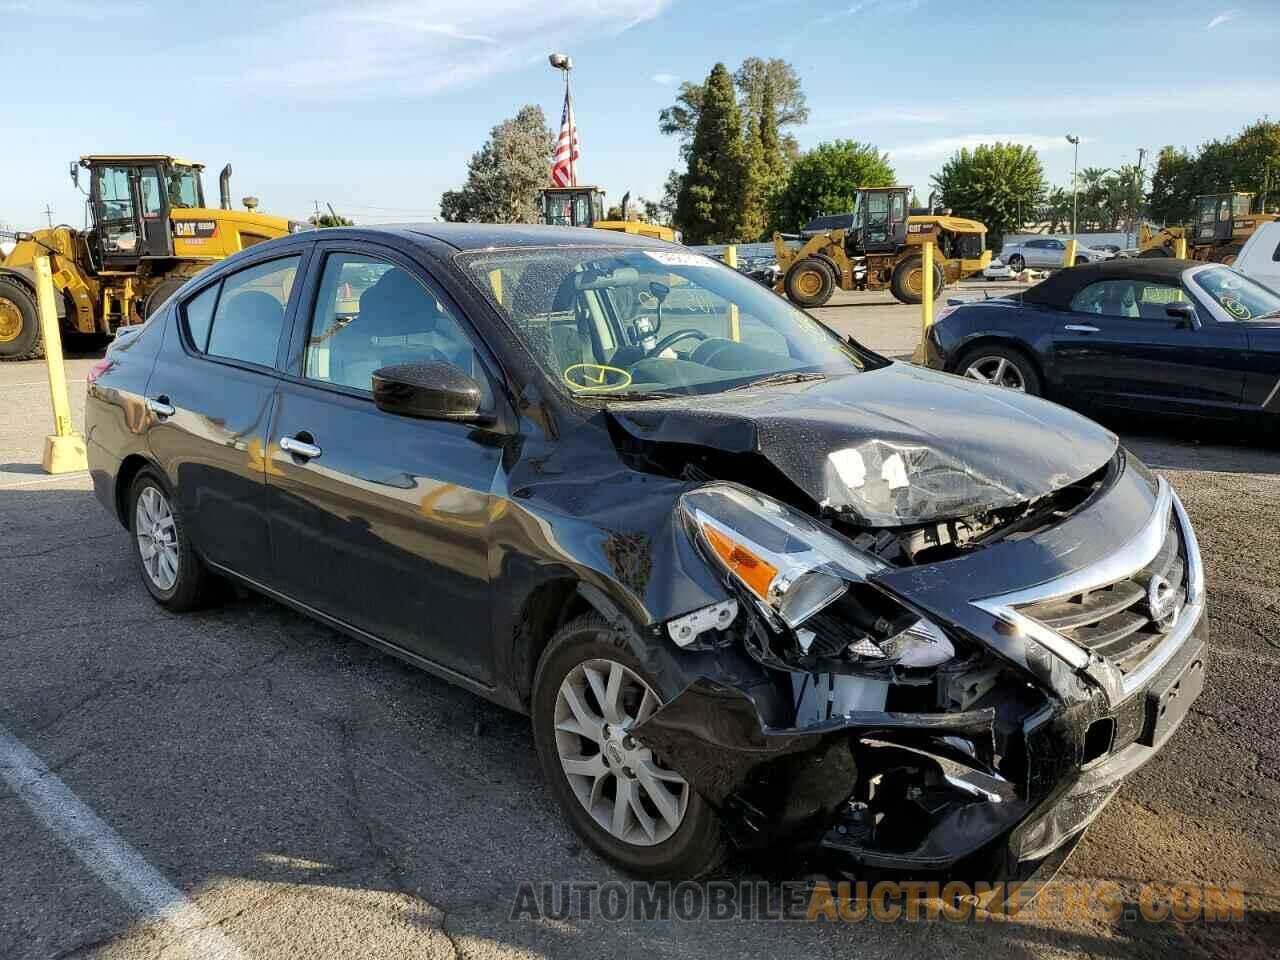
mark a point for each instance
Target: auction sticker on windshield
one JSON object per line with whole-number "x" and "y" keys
{"x": 674, "y": 258}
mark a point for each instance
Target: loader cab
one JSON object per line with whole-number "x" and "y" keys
{"x": 880, "y": 219}
{"x": 572, "y": 206}
{"x": 1216, "y": 213}
{"x": 130, "y": 201}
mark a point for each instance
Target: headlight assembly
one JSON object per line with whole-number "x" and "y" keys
{"x": 794, "y": 568}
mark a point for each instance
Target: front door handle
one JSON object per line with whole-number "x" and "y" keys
{"x": 300, "y": 448}
{"x": 1081, "y": 328}
{"x": 161, "y": 406}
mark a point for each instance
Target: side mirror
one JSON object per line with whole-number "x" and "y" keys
{"x": 75, "y": 174}
{"x": 1185, "y": 314}
{"x": 429, "y": 391}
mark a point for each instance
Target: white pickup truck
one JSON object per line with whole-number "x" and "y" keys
{"x": 1260, "y": 256}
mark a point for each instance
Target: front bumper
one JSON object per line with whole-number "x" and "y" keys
{"x": 807, "y": 786}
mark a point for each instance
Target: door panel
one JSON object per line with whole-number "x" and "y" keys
{"x": 384, "y": 522}
{"x": 152, "y": 202}
{"x": 1147, "y": 360}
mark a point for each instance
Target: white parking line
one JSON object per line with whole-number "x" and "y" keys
{"x": 52, "y": 479}
{"x": 103, "y": 851}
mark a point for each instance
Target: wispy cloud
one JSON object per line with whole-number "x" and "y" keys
{"x": 666, "y": 79}
{"x": 946, "y": 146}
{"x": 1226, "y": 16}
{"x": 413, "y": 48}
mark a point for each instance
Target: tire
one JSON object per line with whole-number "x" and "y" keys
{"x": 20, "y": 337}
{"x": 1227, "y": 255}
{"x": 692, "y": 847}
{"x": 1081, "y": 260}
{"x": 983, "y": 361}
{"x": 163, "y": 291}
{"x": 191, "y": 585}
{"x": 809, "y": 282}
{"x": 907, "y": 282}
{"x": 1017, "y": 263}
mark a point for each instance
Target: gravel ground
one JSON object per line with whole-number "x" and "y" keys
{"x": 310, "y": 797}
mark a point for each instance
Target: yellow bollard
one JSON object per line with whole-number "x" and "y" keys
{"x": 926, "y": 300}
{"x": 64, "y": 449}
{"x": 1069, "y": 258}
{"x": 1180, "y": 248}
{"x": 731, "y": 260}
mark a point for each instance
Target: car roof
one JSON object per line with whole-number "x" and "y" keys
{"x": 480, "y": 236}
{"x": 1061, "y": 287}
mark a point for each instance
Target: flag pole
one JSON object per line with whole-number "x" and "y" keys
{"x": 573, "y": 132}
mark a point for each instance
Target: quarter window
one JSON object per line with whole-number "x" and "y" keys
{"x": 1137, "y": 299}
{"x": 249, "y": 316}
{"x": 199, "y": 316}
{"x": 370, "y": 314}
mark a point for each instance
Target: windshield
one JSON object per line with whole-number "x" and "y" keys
{"x": 1242, "y": 298}
{"x": 184, "y": 187}
{"x": 625, "y": 322}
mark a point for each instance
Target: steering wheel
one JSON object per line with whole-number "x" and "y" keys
{"x": 671, "y": 338}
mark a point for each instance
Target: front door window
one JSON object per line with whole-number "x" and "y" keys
{"x": 116, "y": 219}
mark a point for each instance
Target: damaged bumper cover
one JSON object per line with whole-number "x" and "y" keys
{"x": 1011, "y": 786}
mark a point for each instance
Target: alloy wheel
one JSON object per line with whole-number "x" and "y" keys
{"x": 1000, "y": 371}
{"x": 621, "y": 784}
{"x": 153, "y": 525}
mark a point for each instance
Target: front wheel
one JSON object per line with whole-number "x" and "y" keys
{"x": 810, "y": 282}
{"x": 589, "y": 692}
{"x": 1017, "y": 263}
{"x": 19, "y": 323}
{"x": 1001, "y": 366}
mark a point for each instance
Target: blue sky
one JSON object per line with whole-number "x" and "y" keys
{"x": 376, "y": 106}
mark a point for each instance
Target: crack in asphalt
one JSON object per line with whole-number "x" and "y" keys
{"x": 59, "y": 546}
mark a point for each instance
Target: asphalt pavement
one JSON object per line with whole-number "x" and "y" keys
{"x": 246, "y": 783}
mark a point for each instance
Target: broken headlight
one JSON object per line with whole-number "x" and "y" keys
{"x": 891, "y": 484}
{"x": 794, "y": 568}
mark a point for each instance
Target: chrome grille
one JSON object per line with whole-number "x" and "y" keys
{"x": 1116, "y": 620}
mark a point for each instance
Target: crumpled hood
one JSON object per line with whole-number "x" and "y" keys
{"x": 897, "y": 445}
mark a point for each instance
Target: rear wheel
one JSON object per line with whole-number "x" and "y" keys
{"x": 810, "y": 282}
{"x": 163, "y": 291}
{"x": 1081, "y": 260}
{"x": 171, "y": 571}
{"x": 589, "y": 692}
{"x": 907, "y": 282}
{"x": 1017, "y": 263}
{"x": 1001, "y": 366}
{"x": 19, "y": 323}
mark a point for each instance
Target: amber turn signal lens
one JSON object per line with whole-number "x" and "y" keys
{"x": 750, "y": 569}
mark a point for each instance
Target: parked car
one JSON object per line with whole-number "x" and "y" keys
{"x": 744, "y": 598}
{"x": 1259, "y": 258}
{"x": 1046, "y": 253}
{"x": 1160, "y": 336}
{"x": 998, "y": 270}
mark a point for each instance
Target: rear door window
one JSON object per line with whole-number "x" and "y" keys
{"x": 249, "y": 315}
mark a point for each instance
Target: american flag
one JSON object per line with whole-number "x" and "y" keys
{"x": 564, "y": 162}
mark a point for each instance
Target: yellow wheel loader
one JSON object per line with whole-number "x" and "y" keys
{"x": 1224, "y": 221}
{"x": 150, "y": 233}
{"x": 877, "y": 246}
{"x": 584, "y": 207}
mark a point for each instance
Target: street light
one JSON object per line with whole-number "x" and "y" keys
{"x": 1075, "y": 183}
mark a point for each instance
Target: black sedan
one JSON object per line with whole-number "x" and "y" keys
{"x": 755, "y": 586}
{"x": 1155, "y": 336}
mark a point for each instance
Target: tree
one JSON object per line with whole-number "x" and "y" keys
{"x": 329, "y": 220}
{"x": 826, "y": 180}
{"x": 712, "y": 196}
{"x": 1172, "y": 186}
{"x": 1248, "y": 162}
{"x": 751, "y": 79}
{"x": 506, "y": 175}
{"x": 992, "y": 183}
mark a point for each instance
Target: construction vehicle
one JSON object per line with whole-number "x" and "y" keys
{"x": 1223, "y": 222}
{"x": 878, "y": 245}
{"x": 150, "y": 232}
{"x": 584, "y": 207}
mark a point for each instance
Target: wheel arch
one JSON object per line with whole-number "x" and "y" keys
{"x": 129, "y": 469}
{"x": 994, "y": 339}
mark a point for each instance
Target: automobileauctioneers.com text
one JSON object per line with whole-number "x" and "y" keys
{"x": 883, "y": 902}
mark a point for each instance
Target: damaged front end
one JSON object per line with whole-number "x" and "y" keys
{"x": 966, "y": 691}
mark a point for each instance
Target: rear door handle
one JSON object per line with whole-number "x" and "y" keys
{"x": 300, "y": 448}
{"x": 1081, "y": 328}
{"x": 161, "y": 406}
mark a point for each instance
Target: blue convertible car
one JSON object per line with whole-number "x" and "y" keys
{"x": 1147, "y": 335}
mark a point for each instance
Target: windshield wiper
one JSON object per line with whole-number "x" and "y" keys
{"x": 791, "y": 376}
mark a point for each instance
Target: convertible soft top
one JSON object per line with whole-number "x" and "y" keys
{"x": 1061, "y": 287}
